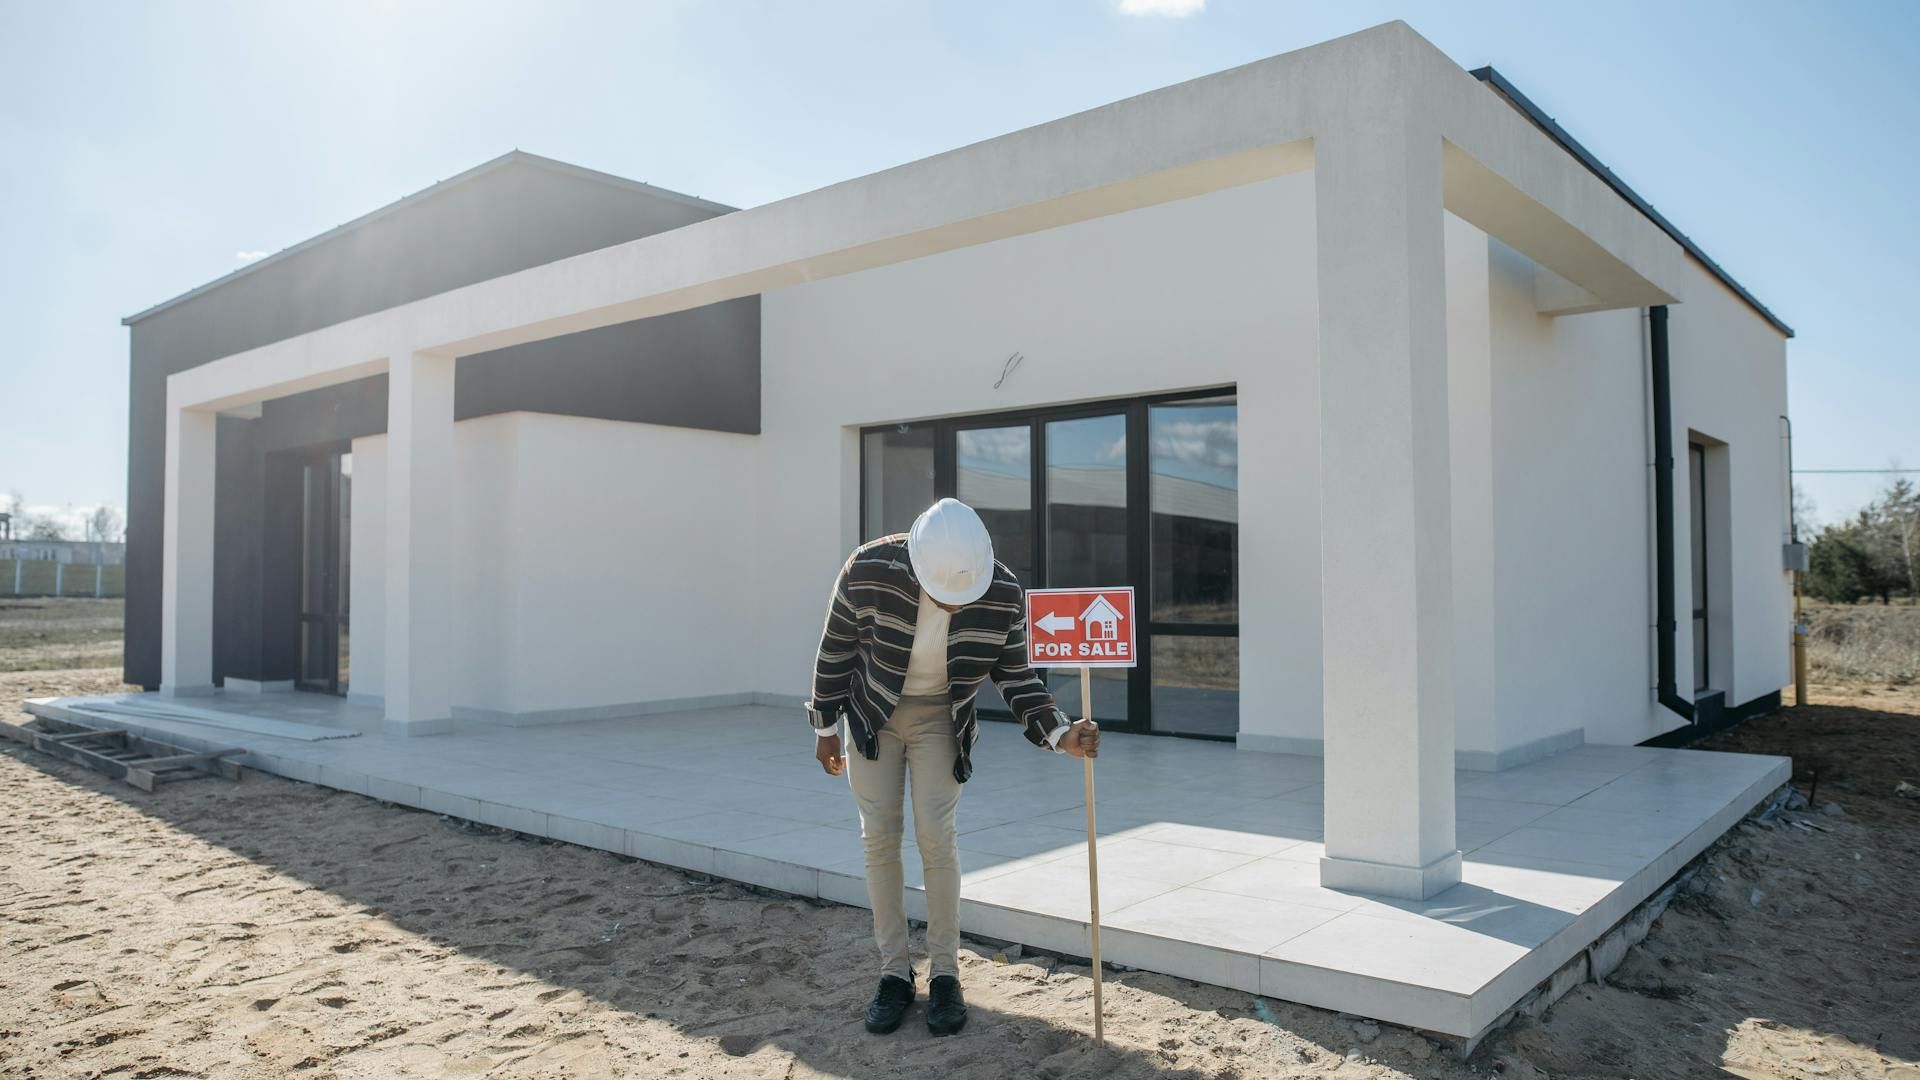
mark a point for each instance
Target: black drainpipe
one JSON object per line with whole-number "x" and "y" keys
{"x": 1663, "y": 510}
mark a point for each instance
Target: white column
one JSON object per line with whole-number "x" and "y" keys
{"x": 1386, "y": 549}
{"x": 1477, "y": 739}
{"x": 419, "y": 541}
{"x": 186, "y": 575}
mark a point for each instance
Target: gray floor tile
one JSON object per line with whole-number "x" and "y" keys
{"x": 1209, "y": 856}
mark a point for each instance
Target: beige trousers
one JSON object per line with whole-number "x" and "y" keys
{"x": 917, "y": 739}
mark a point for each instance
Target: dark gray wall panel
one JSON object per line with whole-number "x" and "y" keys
{"x": 495, "y": 222}
{"x": 324, "y": 419}
{"x": 257, "y": 514}
{"x": 279, "y": 599}
{"x": 698, "y": 368}
{"x": 239, "y": 487}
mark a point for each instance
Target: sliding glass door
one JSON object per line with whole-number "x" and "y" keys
{"x": 1194, "y": 535}
{"x": 993, "y": 473}
{"x": 1087, "y": 541}
{"x": 1141, "y": 492}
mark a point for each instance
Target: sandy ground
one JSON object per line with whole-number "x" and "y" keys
{"x": 47, "y": 634}
{"x": 271, "y": 928}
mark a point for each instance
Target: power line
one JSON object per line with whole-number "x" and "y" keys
{"x": 1873, "y": 472}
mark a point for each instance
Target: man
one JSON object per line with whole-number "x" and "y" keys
{"x": 916, "y": 624}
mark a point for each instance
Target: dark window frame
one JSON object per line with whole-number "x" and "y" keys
{"x": 1136, "y": 411}
{"x": 1698, "y": 517}
{"x": 330, "y": 623}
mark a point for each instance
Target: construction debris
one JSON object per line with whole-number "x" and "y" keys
{"x": 141, "y": 761}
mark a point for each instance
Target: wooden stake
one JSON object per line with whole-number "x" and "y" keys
{"x": 1093, "y": 865}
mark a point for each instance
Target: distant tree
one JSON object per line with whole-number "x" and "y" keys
{"x": 1839, "y": 569}
{"x": 103, "y": 526}
{"x": 1896, "y": 535}
{"x": 45, "y": 527}
{"x": 1876, "y": 554}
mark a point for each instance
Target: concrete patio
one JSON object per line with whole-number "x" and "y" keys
{"x": 1209, "y": 855}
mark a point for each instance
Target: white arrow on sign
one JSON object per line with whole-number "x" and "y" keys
{"x": 1053, "y": 624}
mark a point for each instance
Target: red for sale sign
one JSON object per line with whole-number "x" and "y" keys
{"x": 1081, "y": 628}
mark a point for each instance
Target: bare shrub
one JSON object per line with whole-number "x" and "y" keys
{"x": 1851, "y": 643}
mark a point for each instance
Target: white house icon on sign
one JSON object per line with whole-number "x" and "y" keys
{"x": 1103, "y": 622}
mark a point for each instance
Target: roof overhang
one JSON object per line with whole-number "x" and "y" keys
{"x": 1572, "y": 146}
{"x": 1502, "y": 173}
{"x": 510, "y": 159}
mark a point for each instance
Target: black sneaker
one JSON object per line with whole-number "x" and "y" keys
{"x": 946, "y": 1008}
{"x": 889, "y": 1005}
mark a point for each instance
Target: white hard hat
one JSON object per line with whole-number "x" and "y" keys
{"x": 952, "y": 554}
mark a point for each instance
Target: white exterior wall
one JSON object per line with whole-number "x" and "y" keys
{"x": 1551, "y": 492}
{"x": 1573, "y": 642}
{"x": 1207, "y": 291}
{"x": 1730, "y": 384}
{"x": 1551, "y": 524}
{"x": 1213, "y": 290}
{"x": 1470, "y": 454}
{"x": 636, "y": 555}
{"x": 483, "y": 592}
{"x": 584, "y": 565}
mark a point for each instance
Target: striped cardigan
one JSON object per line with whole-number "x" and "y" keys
{"x": 868, "y": 640}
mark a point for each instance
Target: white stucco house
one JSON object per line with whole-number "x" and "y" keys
{"x": 1429, "y": 448}
{"x": 1416, "y": 332}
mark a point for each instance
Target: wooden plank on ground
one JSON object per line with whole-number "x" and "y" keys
{"x": 142, "y": 762}
{"x": 83, "y": 736}
{"x": 145, "y": 773}
{"x": 175, "y": 761}
{"x": 79, "y": 755}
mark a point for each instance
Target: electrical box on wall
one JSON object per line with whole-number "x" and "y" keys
{"x": 1794, "y": 556}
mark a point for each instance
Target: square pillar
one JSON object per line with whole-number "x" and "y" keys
{"x": 419, "y": 544}
{"x": 1385, "y": 528}
{"x": 186, "y": 560}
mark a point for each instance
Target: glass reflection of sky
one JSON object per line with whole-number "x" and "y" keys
{"x": 993, "y": 466}
{"x": 1004, "y": 450}
{"x": 1199, "y": 442}
{"x": 1097, "y": 442}
{"x": 1196, "y": 442}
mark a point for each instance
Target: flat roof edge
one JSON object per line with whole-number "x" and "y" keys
{"x": 1572, "y": 146}
{"x": 510, "y": 157}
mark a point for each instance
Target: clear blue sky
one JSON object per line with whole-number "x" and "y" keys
{"x": 147, "y": 148}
